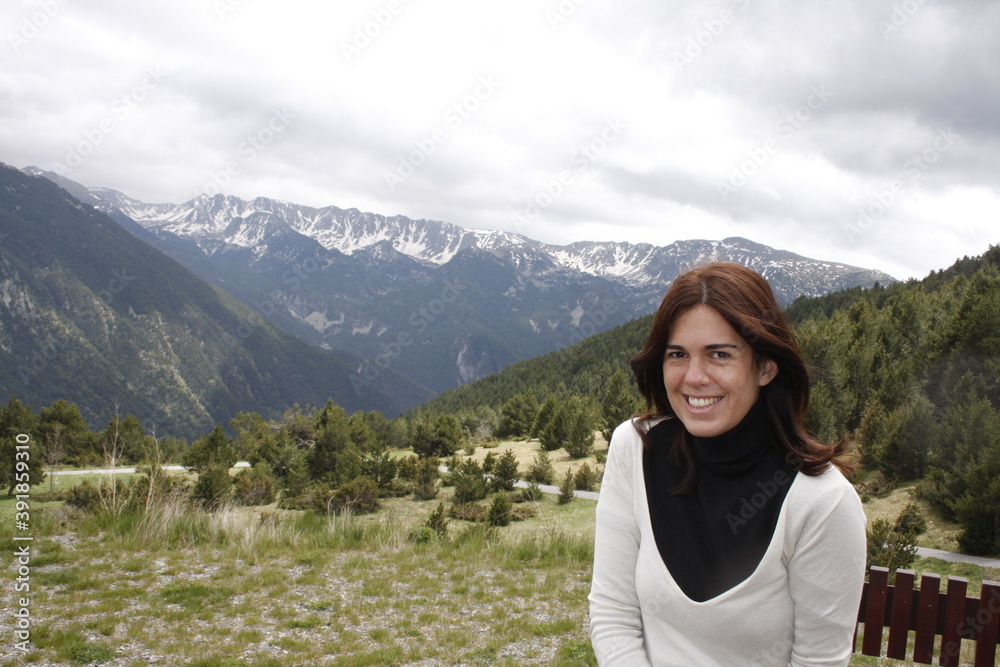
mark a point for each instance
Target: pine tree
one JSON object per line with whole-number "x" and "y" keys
{"x": 63, "y": 435}
{"x": 566, "y": 488}
{"x": 438, "y": 521}
{"x": 556, "y": 433}
{"x": 250, "y": 429}
{"x": 214, "y": 485}
{"x": 585, "y": 478}
{"x": 331, "y": 445}
{"x": 544, "y": 416}
{"x": 500, "y": 510}
{"x": 618, "y": 404}
{"x": 425, "y": 482}
{"x": 505, "y": 472}
{"x": 213, "y": 450}
{"x": 541, "y": 469}
{"x": 580, "y": 429}
{"x": 470, "y": 483}
{"x": 518, "y": 416}
{"x": 18, "y": 429}
{"x": 437, "y": 435}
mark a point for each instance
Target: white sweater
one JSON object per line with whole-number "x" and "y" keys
{"x": 797, "y": 609}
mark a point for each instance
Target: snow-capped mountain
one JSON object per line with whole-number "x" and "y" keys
{"x": 432, "y": 242}
{"x": 438, "y": 302}
{"x": 211, "y": 217}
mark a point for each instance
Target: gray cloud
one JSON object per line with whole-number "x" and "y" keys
{"x": 716, "y": 93}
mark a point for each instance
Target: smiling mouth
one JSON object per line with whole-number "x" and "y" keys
{"x": 696, "y": 402}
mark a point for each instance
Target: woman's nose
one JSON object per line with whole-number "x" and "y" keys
{"x": 696, "y": 375}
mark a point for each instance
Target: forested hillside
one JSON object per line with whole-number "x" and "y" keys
{"x": 911, "y": 373}
{"x": 908, "y": 372}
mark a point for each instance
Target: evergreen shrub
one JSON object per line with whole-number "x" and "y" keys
{"x": 499, "y": 514}
{"x": 213, "y": 487}
{"x": 255, "y": 486}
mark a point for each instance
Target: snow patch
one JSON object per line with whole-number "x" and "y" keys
{"x": 319, "y": 322}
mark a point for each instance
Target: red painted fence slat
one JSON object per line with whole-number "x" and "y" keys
{"x": 954, "y": 622}
{"x": 927, "y": 611}
{"x": 878, "y": 586}
{"x": 899, "y": 627}
{"x": 986, "y": 624}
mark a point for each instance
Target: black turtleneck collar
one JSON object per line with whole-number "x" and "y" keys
{"x": 746, "y": 439}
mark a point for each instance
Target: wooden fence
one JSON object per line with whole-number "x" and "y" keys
{"x": 928, "y": 613}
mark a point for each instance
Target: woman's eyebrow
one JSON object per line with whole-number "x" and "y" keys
{"x": 712, "y": 346}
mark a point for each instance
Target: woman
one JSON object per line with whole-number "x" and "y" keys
{"x": 726, "y": 535}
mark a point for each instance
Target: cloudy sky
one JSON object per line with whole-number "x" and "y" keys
{"x": 862, "y": 131}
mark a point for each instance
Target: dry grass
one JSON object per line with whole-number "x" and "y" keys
{"x": 940, "y": 534}
{"x": 526, "y": 450}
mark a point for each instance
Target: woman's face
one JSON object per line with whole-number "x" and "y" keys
{"x": 710, "y": 373}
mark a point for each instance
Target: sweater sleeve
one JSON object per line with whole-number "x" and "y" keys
{"x": 615, "y": 619}
{"x": 826, "y": 575}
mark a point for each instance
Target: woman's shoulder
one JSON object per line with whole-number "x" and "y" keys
{"x": 629, "y": 438}
{"x": 823, "y": 492}
{"x": 830, "y": 480}
{"x": 626, "y": 435}
{"x": 632, "y": 430}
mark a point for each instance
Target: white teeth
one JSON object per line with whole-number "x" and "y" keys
{"x": 703, "y": 402}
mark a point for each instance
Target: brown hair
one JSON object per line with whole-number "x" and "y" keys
{"x": 745, "y": 300}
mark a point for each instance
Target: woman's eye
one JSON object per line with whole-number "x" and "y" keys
{"x": 675, "y": 355}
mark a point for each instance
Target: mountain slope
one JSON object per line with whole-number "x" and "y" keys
{"x": 92, "y": 314}
{"x": 432, "y": 300}
{"x": 583, "y": 368}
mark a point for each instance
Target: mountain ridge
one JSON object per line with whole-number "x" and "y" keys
{"x": 348, "y": 230}
{"x": 346, "y": 279}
